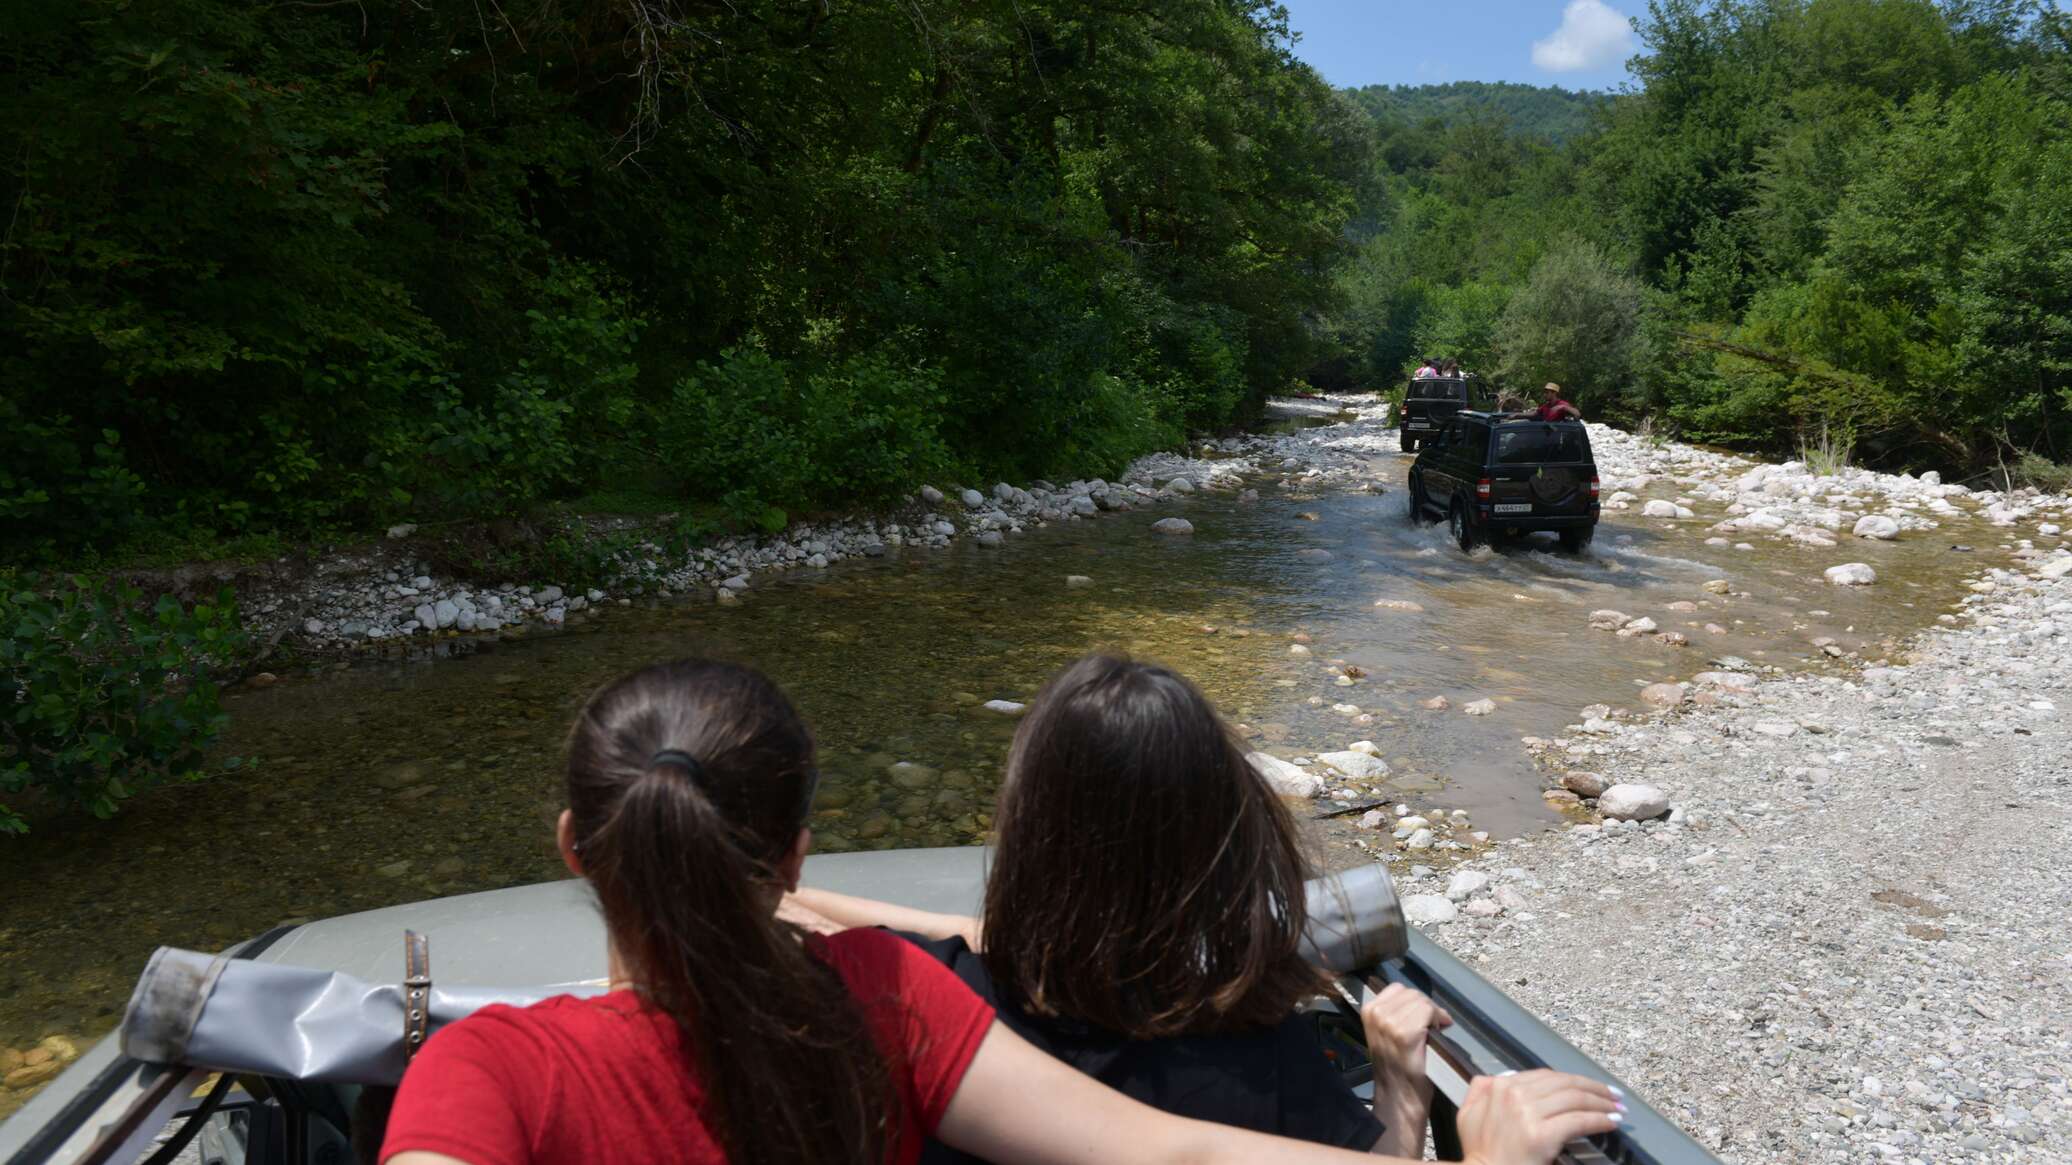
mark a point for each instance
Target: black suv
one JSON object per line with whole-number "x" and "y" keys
{"x": 1494, "y": 473}
{"x": 1428, "y": 402}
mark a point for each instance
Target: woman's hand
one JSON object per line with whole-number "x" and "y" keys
{"x": 1524, "y": 1119}
{"x": 1397, "y": 1022}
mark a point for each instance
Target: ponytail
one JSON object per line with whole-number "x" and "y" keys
{"x": 689, "y": 783}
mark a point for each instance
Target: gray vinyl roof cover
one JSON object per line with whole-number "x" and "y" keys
{"x": 551, "y": 934}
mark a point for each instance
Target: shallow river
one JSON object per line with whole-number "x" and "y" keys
{"x": 394, "y": 781}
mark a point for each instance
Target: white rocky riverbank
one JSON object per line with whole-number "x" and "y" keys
{"x": 1846, "y": 939}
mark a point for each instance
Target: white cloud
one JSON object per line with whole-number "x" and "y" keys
{"x": 1592, "y": 36}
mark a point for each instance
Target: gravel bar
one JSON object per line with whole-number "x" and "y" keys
{"x": 1849, "y": 940}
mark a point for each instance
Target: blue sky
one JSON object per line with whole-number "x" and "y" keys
{"x": 1577, "y": 44}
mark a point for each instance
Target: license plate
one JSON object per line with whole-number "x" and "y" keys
{"x": 1420, "y": 424}
{"x": 1514, "y": 507}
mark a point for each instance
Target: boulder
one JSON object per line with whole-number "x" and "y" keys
{"x": 1429, "y": 909}
{"x": 1633, "y": 802}
{"x": 1662, "y": 695}
{"x": 1851, "y": 574}
{"x": 1172, "y": 526}
{"x": 972, "y": 498}
{"x": 1180, "y": 485}
{"x": 1876, "y": 526}
{"x": 1284, "y": 778}
{"x": 1606, "y": 619}
{"x": 1658, "y": 509}
{"x": 1465, "y": 884}
{"x": 1357, "y": 765}
{"x": 1584, "y": 783}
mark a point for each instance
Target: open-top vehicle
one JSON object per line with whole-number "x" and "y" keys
{"x": 1491, "y": 473}
{"x": 1429, "y": 402}
{"x": 279, "y": 1050}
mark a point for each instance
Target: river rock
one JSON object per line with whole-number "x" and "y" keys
{"x": 427, "y": 617}
{"x": 1673, "y": 638}
{"x": 990, "y": 538}
{"x": 1078, "y": 580}
{"x": 1005, "y": 707}
{"x": 1876, "y": 526}
{"x": 1284, "y": 778}
{"x": 1422, "y": 839}
{"x": 1465, "y": 884}
{"x": 1640, "y": 626}
{"x": 1482, "y": 707}
{"x": 1314, "y": 554}
{"x": 910, "y": 776}
{"x": 1731, "y": 681}
{"x": 1851, "y": 574}
{"x": 1180, "y": 485}
{"x": 1436, "y": 703}
{"x": 547, "y": 596}
{"x": 1298, "y": 651}
{"x": 1584, "y": 783}
{"x": 1373, "y": 819}
{"x": 931, "y": 495}
{"x": 1084, "y": 506}
{"x": 1172, "y": 526}
{"x": 1606, "y": 619}
{"x": 1658, "y": 509}
{"x": 2056, "y": 568}
{"x": 1357, "y": 765}
{"x": 1632, "y": 802}
{"x": 447, "y": 612}
{"x": 1662, "y": 695}
{"x": 972, "y": 499}
{"x": 1719, "y": 586}
{"x": 1399, "y": 605}
{"x": 1364, "y": 747}
{"x": 1429, "y": 909}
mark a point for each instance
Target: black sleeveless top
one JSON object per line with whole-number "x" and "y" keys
{"x": 1273, "y": 1080}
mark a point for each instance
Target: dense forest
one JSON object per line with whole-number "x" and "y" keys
{"x": 1848, "y": 218}
{"x": 313, "y": 267}
{"x": 299, "y": 270}
{"x": 1529, "y": 110}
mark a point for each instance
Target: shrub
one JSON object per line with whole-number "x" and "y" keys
{"x": 2036, "y": 471}
{"x": 104, "y": 696}
{"x": 764, "y": 436}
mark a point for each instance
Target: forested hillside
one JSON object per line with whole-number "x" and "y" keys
{"x": 300, "y": 267}
{"x": 1530, "y": 110}
{"x": 1841, "y": 216}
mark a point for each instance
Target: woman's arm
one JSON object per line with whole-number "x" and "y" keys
{"x": 1397, "y": 1022}
{"x": 1018, "y": 1106}
{"x": 848, "y": 911}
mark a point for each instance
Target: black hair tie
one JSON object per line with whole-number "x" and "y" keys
{"x": 680, "y": 758}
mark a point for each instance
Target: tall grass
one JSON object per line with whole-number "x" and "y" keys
{"x": 1827, "y": 454}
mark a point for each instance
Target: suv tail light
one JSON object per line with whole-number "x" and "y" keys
{"x": 1482, "y": 489}
{"x": 1593, "y": 485}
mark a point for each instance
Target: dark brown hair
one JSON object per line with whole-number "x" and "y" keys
{"x": 1146, "y": 880}
{"x": 683, "y": 851}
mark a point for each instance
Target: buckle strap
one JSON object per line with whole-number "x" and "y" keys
{"x": 417, "y": 992}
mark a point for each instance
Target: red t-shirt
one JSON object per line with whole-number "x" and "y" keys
{"x": 603, "y": 1079}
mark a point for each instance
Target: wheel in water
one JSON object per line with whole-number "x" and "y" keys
{"x": 1464, "y": 534}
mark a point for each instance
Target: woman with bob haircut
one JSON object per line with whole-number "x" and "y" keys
{"x": 728, "y": 1035}
{"x": 1143, "y": 920}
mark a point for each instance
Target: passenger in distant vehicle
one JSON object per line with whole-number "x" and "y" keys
{"x": 1553, "y": 407}
{"x": 1427, "y": 370}
{"x": 1450, "y": 368}
{"x": 1511, "y": 402}
{"x": 1143, "y": 918}
{"x": 728, "y": 1035}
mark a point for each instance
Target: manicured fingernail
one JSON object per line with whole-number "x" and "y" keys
{"x": 1620, "y": 1104}
{"x": 1616, "y": 1090}
{"x": 1616, "y": 1117}
{"x": 1508, "y": 1072}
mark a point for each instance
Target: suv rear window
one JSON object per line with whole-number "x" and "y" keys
{"x": 1541, "y": 444}
{"x": 1429, "y": 389}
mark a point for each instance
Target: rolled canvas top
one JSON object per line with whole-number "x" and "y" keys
{"x": 304, "y": 1023}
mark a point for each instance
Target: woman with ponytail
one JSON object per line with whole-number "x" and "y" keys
{"x": 729, "y": 1036}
